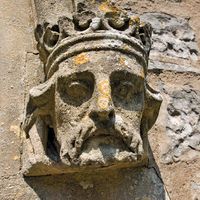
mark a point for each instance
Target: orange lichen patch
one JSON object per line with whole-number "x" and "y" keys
{"x": 125, "y": 47}
{"x": 134, "y": 20}
{"x": 104, "y": 94}
{"x": 106, "y": 7}
{"x": 142, "y": 24}
{"x": 81, "y": 59}
{"x": 122, "y": 61}
{"x": 103, "y": 102}
{"x": 104, "y": 88}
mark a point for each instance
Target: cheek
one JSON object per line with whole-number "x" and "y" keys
{"x": 133, "y": 104}
{"x": 128, "y": 118}
{"x": 67, "y": 115}
{"x": 61, "y": 112}
{"x": 139, "y": 102}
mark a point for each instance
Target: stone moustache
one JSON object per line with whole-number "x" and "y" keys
{"x": 94, "y": 109}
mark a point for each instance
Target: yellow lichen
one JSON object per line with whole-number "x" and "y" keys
{"x": 81, "y": 59}
{"x": 106, "y": 7}
{"x": 103, "y": 103}
{"x": 142, "y": 24}
{"x": 134, "y": 20}
{"x": 104, "y": 94}
{"x": 104, "y": 88}
{"x": 122, "y": 61}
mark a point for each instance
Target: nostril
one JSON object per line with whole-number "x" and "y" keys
{"x": 111, "y": 115}
{"x": 99, "y": 116}
{"x": 94, "y": 116}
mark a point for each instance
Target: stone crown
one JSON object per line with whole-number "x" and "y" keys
{"x": 86, "y": 26}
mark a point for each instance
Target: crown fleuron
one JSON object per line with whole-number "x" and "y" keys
{"x": 55, "y": 40}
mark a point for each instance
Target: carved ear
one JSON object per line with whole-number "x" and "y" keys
{"x": 153, "y": 101}
{"x": 40, "y": 103}
{"x": 42, "y": 95}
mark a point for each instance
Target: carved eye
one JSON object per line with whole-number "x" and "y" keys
{"x": 123, "y": 89}
{"x": 78, "y": 90}
{"x": 127, "y": 90}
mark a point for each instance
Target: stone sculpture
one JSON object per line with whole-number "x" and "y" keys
{"x": 95, "y": 107}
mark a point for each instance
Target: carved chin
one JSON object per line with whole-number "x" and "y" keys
{"x": 106, "y": 151}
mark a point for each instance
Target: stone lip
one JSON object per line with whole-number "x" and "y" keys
{"x": 101, "y": 150}
{"x": 99, "y": 153}
{"x": 106, "y": 150}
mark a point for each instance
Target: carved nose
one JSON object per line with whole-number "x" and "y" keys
{"x": 103, "y": 111}
{"x": 104, "y": 117}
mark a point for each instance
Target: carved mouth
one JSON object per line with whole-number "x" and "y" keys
{"x": 105, "y": 150}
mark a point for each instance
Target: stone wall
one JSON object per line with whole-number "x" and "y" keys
{"x": 174, "y": 139}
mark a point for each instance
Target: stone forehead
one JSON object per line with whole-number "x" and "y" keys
{"x": 103, "y": 62}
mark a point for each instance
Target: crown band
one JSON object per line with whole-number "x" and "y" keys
{"x": 95, "y": 42}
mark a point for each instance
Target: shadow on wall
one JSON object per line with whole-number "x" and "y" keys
{"x": 125, "y": 184}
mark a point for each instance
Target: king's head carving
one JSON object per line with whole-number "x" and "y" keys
{"x": 95, "y": 107}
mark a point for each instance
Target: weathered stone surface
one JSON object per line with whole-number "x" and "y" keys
{"x": 84, "y": 117}
{"x": 16, "y": 40}
{"x": 111, "y": 185}
{"x": 164, "y": 66}
{"x": 182, "y": 170}
{"x": 172, "y": 36}
{"x": 183, "y": 126}
{"x": 170, "y": 73}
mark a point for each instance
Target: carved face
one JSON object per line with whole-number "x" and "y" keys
{"x": 94, "y": 111}
{"x": 99, "y": 102}
{"x": 95, "y": 108}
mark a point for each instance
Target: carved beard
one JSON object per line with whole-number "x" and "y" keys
{"x": 122, "y": 142}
